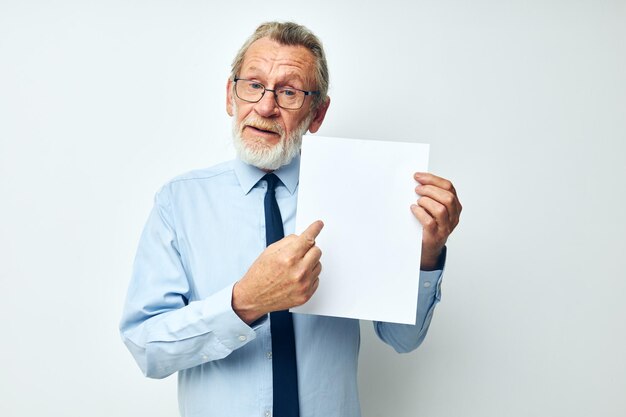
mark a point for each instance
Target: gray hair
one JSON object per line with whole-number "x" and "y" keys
{"x": 290, "y": 33}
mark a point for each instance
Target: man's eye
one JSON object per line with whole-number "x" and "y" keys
{"x": 256, "y": 86}
{"x": 287, "y": 92}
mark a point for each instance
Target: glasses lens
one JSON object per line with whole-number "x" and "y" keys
{"x": 288, "y": 98}
{"x": 249, "y": 90}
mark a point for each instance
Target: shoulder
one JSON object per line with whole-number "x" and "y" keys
{"x": 203, "y": 175}
{"x": 197, "y": 180}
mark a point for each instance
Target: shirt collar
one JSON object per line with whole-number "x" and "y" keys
{"x": 249, "y": 175}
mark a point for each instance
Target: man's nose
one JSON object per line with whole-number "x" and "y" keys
{"x": 267, "y": 106}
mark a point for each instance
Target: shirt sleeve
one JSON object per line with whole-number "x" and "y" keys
{"x": 406, "y": 337}
{"x": 165, "y": 332}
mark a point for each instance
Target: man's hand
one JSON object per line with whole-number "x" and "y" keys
{"x": 285, "y": 275}
{"x": 438, "y": 210}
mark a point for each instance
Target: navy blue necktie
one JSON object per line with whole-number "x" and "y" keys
{"x": 284, "y": 369}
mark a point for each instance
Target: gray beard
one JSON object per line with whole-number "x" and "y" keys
{"x": 270, "y": 158}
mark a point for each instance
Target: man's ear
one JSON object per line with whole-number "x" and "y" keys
{"x": 320, "y": 113}
{"x": 229, "y": 97}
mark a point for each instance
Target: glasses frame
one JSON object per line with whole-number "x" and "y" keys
{"x": 265, "y": 89}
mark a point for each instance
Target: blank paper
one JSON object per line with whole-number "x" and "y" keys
{"x": 371, "y": 241}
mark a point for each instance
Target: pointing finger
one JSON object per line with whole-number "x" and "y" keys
{"x": 307, "y": 239}
{"x": 313, "y": 231}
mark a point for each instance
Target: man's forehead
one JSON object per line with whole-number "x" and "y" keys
{"x": 286, "y": 71}
{"x": 266, "y": 55}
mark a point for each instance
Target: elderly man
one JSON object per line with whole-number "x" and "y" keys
{"x": 214, "y": 275}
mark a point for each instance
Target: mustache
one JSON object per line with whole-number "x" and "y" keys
{"x": 262, "y": 124}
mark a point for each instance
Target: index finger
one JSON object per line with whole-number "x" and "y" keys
{"x": 426, "y": 178}
{"x": 312, "y": 231}
{"x": 302, "y": 243}
{"x": 306, "y": 240}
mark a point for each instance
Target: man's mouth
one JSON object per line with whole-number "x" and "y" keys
{"x": 258, "y": 129}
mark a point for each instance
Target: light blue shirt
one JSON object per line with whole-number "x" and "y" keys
{"x": 206, "y": 228}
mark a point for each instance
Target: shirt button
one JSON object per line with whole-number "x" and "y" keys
{"x": 427, "y": 284}
{"x": 242, "y": 338}
{"x": 205, "y": 358}
{"x": 268, "y": 414}
{"x": 269, "y": 355}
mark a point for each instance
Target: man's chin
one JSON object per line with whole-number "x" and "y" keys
{"x": 260, "y": 155}
{"x": 265, "y": 153}
{"x": 258, "y": 143}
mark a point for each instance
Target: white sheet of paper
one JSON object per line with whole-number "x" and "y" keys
{"x": 371, "y": 241}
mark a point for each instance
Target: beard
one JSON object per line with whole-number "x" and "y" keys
{"x": 262, "y": 155}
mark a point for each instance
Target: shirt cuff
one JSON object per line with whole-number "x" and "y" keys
{"x": 229, "y": 329}
{"x": 430, "y": 281}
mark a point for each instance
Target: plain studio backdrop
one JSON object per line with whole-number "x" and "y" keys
{"x": 523, "y": 103}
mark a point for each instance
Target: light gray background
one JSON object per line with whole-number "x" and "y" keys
{"x": 524, "y": 103}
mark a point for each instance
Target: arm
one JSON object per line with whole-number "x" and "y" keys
{"x": 166, "y": 332}
{"x": 162, "y": 329}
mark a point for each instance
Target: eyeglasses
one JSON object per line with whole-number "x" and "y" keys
{"x": 286, "y": 97}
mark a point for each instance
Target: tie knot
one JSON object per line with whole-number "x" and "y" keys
{"x": 272, "y": 180}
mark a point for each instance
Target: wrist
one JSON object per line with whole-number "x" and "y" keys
{"x": 242, "y": 307}
{"x": 432, "y": 260}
